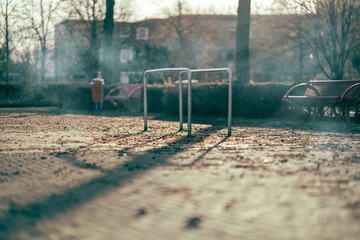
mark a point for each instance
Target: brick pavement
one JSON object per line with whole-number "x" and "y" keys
{"x": 81, "y": 176}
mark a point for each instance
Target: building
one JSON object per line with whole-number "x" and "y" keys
{"x": 194, "y": 41}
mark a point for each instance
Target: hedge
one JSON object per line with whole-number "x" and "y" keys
{"x": 207, "y": 99}
{"x": 212, "y": 100}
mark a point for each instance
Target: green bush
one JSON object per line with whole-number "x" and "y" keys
{"x": 18, "y": 95}
{"x": 72, "y": 96}
{"x": 258, "y": 100}
{"x": 13, "y": 91}
{"x": 210, "y": 99}
{"x": 155, "y": 95}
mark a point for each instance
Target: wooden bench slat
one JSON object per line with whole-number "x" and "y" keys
{"x": 314, "y": 97}
{"x": 331, "y": 88}
{"x": 325, "y": 92}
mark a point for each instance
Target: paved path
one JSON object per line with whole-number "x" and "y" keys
{"x": 80, "y": 176}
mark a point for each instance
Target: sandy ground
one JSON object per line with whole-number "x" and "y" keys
{"x": 88, "y": 176}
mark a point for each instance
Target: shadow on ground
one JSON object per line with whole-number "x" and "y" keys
{"x": 20, "y": 219}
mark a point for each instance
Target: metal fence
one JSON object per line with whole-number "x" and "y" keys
{"x": 228, "y": 70}
{"x": 187, "y": 70}
{"x": 189, "y": 76}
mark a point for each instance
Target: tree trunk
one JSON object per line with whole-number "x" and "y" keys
{"x": 43, "y": 62}
{"x": 108, "y": 40}
{"x": 242, "y": 42}
{"x": 93, "y": 51}
{"x": 7, "y": 56}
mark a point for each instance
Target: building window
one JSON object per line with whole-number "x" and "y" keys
{"x": 125, "y": 32}
{"x": 124, "y": 77}
{"x": 126, "y": 55}
{"x": 130, "y": 77}
{"x": 142, "y": 33}
{"x": 289, "y": 53}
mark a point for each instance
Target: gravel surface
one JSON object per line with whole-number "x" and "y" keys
{"x": 98, "y": 176}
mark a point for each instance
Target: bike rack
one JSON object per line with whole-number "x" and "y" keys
{"x": 228, "y": 70}
{"x": 187, "y": 70}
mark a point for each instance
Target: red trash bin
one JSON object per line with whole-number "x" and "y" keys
{"x": 97, "y": 89}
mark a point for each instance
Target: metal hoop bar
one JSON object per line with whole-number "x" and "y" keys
{"x": 187, "y": 70}
{"x": 229, "y": 71}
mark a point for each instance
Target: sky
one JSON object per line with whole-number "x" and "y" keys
{"x": 153, "y": 8}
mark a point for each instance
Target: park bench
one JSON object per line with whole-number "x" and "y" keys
{"x": 321, "y": 98}
{"x": 128, "y": 95}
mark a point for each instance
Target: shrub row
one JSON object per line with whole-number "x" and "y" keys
{"x": 207, "y": 99}
{"x": 212, "y": 100}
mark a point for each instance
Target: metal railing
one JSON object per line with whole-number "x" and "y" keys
{"x": 187, "y": 70}
{"x": 228, "y": 70}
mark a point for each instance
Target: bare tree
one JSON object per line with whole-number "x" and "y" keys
{"x": 189, "y": 32}
{"x": 109, "y": 22}
{"x": 89, "y": 14}
{"x": 39, "y": 16}
{"x": 108, "y": 39}
{"x": 8, "y": 13}
{"x": 242, "y": 42}
{"x": 94, "y": 20}
{"x": 329, "y": 30}
{"x": 181, "y": 28}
